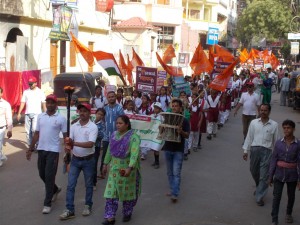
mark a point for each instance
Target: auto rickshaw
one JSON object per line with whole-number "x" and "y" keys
{"x": 84, "y": 84}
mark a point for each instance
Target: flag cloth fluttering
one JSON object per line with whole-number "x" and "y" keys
{"x": 221, "y": 81}
{"x": 244, "y": 55}
{"x": 211, "y": 55}
{"x": 172, "y": 70}
{"x": 136, "y": 60}
{"x": 129, "y": 71}
{"x": 86, "y": 53}
{"x": 200, "y": 62}
{"x": 223, "y": 54}
{"x": 108, "y": 62}
{"x": 122, "y": 64}
{"x": 169, "y": 54}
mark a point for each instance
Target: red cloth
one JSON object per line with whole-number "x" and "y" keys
{"x": 195, "y": 120}
{"x": 11, "y": 83}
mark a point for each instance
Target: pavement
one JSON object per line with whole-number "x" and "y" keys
{"x": 217, "y": 187}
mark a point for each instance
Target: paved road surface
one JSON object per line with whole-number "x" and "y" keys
{"x": 217, "y": 188}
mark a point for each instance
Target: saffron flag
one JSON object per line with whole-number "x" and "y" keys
{"x": 129, "y": 71}
{"x": 274, "y": 61}
{"x": 266, "y": 56}
{"x": 224, "y": 54}
{"x": 172, "y": 70}
{"x": 221, "y": 81}
{"x": 86, "y": 53}
{"x": 244, "y": 55}
{"x": 122, "y": 64}
{"x": 136, "y": 60}
{"x": 108, "y": 62}
{"x": 200, "y": 62}
{"x": 168, "y": 54}
{"x": 254, "y": 54}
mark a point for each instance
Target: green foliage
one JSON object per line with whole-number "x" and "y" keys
{"x": 264, "y": 18}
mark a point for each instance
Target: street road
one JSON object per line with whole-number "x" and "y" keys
{"x": 217, "y": 188}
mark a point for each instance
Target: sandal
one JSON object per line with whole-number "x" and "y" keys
{"x": 289, "y": 219}
{"x": 109, "y": 221}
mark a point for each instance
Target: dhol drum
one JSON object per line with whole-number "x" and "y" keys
{"x": 168, "y": 129}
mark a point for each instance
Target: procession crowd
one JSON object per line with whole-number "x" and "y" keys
{"x": 273, "y": 161}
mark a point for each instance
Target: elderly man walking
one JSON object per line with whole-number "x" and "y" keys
{"x": 260, "y": 140}
{"x": 284, "y": 87}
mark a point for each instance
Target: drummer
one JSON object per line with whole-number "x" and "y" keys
{"x": 174, "y": 153}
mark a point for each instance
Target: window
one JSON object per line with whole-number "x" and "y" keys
{"x": 163, "y": 2}
{"x": 194, "y": 14}
{"x": 166, "y": 35}
{"x": 207, "y": 13}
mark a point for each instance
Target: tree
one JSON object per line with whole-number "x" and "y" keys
{"x": 268, "y": 19}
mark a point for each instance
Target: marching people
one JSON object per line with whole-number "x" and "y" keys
{"x": 260, "y": 140}
{"x": 5, "y": 123}
{"x": 34, "y": 100}
{"x": 267, "y": 89}
{"x": 113, "y": 110}
{"x": 163, "y": 98}
{"x": 136, "y": 97}
{"x": 174, "y": 153}
{"x": 194, "y": 123}
{"x": 124, "y": 179}
{"x": 250, "y": 102}
{"x": 284, "y": 168}
{"x": 83, "y": 135}
{"x": 130, "y": 107}
{"x": 212, "y": 113}
{"x": 284, "y": 89}
{"x": 100, "y": 122}
{"x": 145, "y": 108}
{"x": 48, "y": 127}
{"x": 224, "y": 107}
{"x": 120, "y": 97}
{"x": 202, "y": 117}
{"x": 98, "y": 101}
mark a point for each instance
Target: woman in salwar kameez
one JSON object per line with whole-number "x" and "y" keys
{"x": 124, "y": 179}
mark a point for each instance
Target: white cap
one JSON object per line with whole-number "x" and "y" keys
{"x": 157, "y": 104}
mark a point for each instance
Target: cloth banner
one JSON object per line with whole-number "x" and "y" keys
{"x": 11, "y": 83}
{"x": 177, "y": 88}
{"x": 147, "y": 128}
{"x": 62, "y": 16}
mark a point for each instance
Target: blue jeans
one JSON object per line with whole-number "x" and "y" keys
{"x": 174, "y": 164}
{"x": 87, "y": 166}
{"x": 30, "y": 126}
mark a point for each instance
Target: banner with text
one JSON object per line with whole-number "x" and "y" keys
{"x": 146, "y": 79}
{"x": 177, "y": 88}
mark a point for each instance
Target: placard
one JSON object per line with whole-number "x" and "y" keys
{"x": 177, "y": 88}
{"x": 161, "y": 77}
{"x": 146, "y": 79}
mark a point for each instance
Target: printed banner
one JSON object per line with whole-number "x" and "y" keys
{"x": 258, "y": 63}
{"x": 146, "y": 79}
{"x": 177, "y": 88}
{"x": 147, "y": 128}
{"x": 161, "y": 78}
{"x": 62, "y": 16}
{"x": 219, "y": 67}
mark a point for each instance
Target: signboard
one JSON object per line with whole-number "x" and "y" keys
{"x": 294, "y": 48}
{"x": 184, "y": 59}
{"x": 258, "y": 63}
{"x": 146, "y": 79}
{"x": 219, "y": 67}
{"x": 161, "y": 77}
{"x": 104, "y": 5}
{"x": 212, "y": 36}
{"x": 62, "y": 16}
{"x": 292, "y": 36}
{"x": 177, "y": 88}
{"x": 108, "y": 88}
{"x": 71, "y": 3}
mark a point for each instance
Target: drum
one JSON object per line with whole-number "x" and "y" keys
{"x": 168, "y": 129}
{"x": 128, "y": 91}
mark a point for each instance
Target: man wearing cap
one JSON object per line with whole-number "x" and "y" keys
{"x": 5, "y": 123}
{"x": 34, "y": 99}
{"x": 250, "y": 102}
{"x": 83, "y": 135}
{"x": 48, "y": 127}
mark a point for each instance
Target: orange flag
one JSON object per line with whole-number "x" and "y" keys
{"x": 274, "y": 61}
{"x": 254, "y": 54}
{"x": 129, "y": 71}
{"x": 265, "y": 55}
{"x": 122, "y": 64}
{"x": 172, "y": 70}
{"x": 200, "y": 62}
{"x": 224, "y": 54}
{"x": 169, "y": 54}
{"x": 86, "y": 53}
{"x": 136, "y": 60}
{"x": 211, "y": 56}
{"x": 221, "y": 81}
{"x": 244, "y": 55}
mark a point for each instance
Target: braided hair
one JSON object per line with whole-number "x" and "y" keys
{"x": 166, "y": 101}
{"x": 147, "y": 109}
